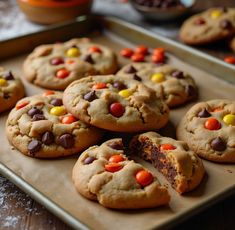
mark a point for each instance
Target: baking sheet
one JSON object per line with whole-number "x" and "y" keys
{"x": 52, "y": 178}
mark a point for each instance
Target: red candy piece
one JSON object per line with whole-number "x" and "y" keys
{"x": 68, "y": 119}
{"x": 99, "y": 85}
{"x": 230, "y": 60}
{"x": 116, "y": 158}
{"x": 95, "y": 49}
{"x": 57, "y": 61}
{"x": 141, "y": 49}
{"x": 158, "y": 58}
{"x": 212, "y": 124}
{"x": 144, "y": 177}
{"x": 48, "y": 93}
{"x": 159, "y": 51}
{"x": 137, "y": 57}
{"x": 22, "y": 105}
{"x": 62, "y": 73}
{"x": 116, "y": 109}
{"x": 113, "y": 167}
{"x": 164, "y": 147}
{"x": 126, "y": 52}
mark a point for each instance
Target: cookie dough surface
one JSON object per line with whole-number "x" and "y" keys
{"x": 55, "y": 66}
{"x": 209, "y": 130}
{"x": 209, "y": 26}
{"x": 174, "y": 86}
{"x": 115, "y": 103}
{"x": 39, "y": 126}
{"x": 113, "y": 183}
{"x": 11, "y": 89}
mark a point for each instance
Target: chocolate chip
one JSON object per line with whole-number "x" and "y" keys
{"x": 34, "y": 146}
{"x": 224, "y": 9}
{"x": 88, "y": 58}
{"x": 66, "y": 141}
{"x": 6, "y": 95}
{"x": 218, "y": 144}
{"x": 177, "y": 74}
{"x": 226, "y": 24}
{"x": 34, "y": 111}
{"x": 137, "y": 78}
{"x": 56, "y": 102}
{"x": 204, "y": 113}
{"x": 191, "y": 91}
{"x": 47, "y": 138}
{"x": 38, "y": 117}
{"x": 90, "y": 96}
{"x": 116, "y": 145}
{"x": 9, "y": 76}
{"x": 119, "y": 85}
{"x": 131, "y": 69}
{"x": 89, "y": 160}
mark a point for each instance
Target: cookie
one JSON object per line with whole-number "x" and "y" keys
{"x": 11, "y": 89}
{"x": 174, "y": 86}
{"x": 55, "y": 66}
{"x": 105, "y": 174}
{"x": 39, "y": 126}
{"x": 232, "y": 44}
{"x": 115, "y": 103}
{"x": 209, "y": 26}
{"x": 209, "y": 130}
{"x": 181, "y": 167}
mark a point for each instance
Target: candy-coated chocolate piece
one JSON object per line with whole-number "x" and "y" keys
{"x": 158, "y": 77}
{"x": 216, "y": 14}
{"x": 116, "y": 145}
{"x": 22, "y": 105}
{"x": 34, "y": 146}
{"x": 8, "y": 76}
{"x": 216, "y": 110}
{"x": 116, "y": 158}
{"x": 99, "y": 85}
{"x": 68, "y": 119}
{"x": 38, "y": 117}
{"x": 137, "y": 57}
{"x": 116, "y": 109}
{"x": 131, "y": 69}
{"x": 144, "y": 178}
{"x": 47, "y": 138}
{"x": 229, "y": 119}
{"x": 90, "y": 96}
{"x": 95, "y": 49}
{"x": 113, "y": 167}
{"x": 199, "y": 21}
{"x": 119, "y": 85}
{"x": 56, "y": 102}
{"x": 230, "y": 59}
{"x": 66, "y": 140}
{"x": 158, "y": 58}
{"x": 125, "y": 93}
{"x": 142, "y": 49}
{"x": 57, "y": 61}
{"x": 212, "y": 124}
{"x": 190, "y": 90}
{"x": 126, "y": 52}
{"x": 48, "y": 93}
{"x": 88, "y": 58}
{"x": 137, "y": 78}
{"x": 34, "y": 111}
{"x": 177, "y": 74}
{"x": 58, "y": 111}
{"x": 167, "y": 146}
{"x": 3, "y": 82}
{"x": 218, "y": 144}
{"x": 89, "y": 160}
{"x": 73, "y": 52}
{"x": 62, "y": 73}
{"x": 204, "y": 113}
{"x": 159, "y": 51}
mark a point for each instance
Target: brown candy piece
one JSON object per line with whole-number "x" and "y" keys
{"x": 88, "y": 58}
{"x": 34, "y": 111}
{"x": 56, "y": 102}
{"x": 9, "y": 76}
{"x": 191, "y": 91}
{"x": 137, "y": 78}
{"x": 47, "y": 138}
{"x": 90, "y": 96}
{"x": 226, "y": 24}
{"x": 218, "y": 144}
{"x": 204, "y": 113}
{"x": 89, "y": 160}
{"x": 38, "y": 117}
{"x": 34, "y": 146}
{"x": 119, "y": 85}
{"x": 131, "y": 69}
{"x": 116, "y": 145}
{"x": 66, "y": 140}
{"x": 177, "y": 74}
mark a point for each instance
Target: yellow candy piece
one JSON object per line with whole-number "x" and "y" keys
{"x": 58, "y": 111}
{"x": 215, "y": 14}
{"x": 158, "y": 77}
{"x": 3, "y": 82}
{"x": 229, "y": 119}
{"x": 73, "y": 52}
{"x": 125, "y": 93}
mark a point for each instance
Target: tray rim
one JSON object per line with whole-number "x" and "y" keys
{"x": 62, "y": 213}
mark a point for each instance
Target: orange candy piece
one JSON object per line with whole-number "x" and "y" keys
{"x": 62, "y": 73}
{"x": 217, "y": 110}
{"x": 159, "y": 50}
{"x": 68, "y": 119}
{"x": 212, "y": 124}
{"x": 137, "y": 57}
{"x": 46, "y": 93}
{"x": 164, "y": 147}
{"x": 70, "y": 61}
{"x": 22, "y": 105}
{"x": 144, "y": 177}
{"x": 141, "y": 49}
{"x": 113, "y": 167}
{"x": 230, "y": 59}
{"x": 158, "y": 58}
{"x": 116, "y": 158}
{"x": 126, "y": 52}
{"x": 99, "y": 85}
{"x": 95, "y": 49}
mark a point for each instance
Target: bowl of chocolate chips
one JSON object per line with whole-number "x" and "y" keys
{"x": 162, "y": 9}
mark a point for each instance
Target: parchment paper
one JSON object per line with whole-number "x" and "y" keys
{"x": 53, "y": 177}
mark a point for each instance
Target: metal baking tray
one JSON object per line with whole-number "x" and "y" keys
{"x": 36, "y": 177}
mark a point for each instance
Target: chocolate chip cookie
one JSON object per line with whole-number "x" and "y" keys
{"x": 55, "y": 66}
{"x": 40, "y": 126}
{"x": 115, "y": 103}
{"x": 105, "y": 174}
{"x": 11, "y": 89}
{"x": 174, "y": 86}
{"x": 182, "y": 167}
{"x": 209, "y": 130}
{"x": 232, "y": 44}
{"x": 209, "y": 26}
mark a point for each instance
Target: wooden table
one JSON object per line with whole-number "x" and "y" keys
{"x": 19, "y": 211}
